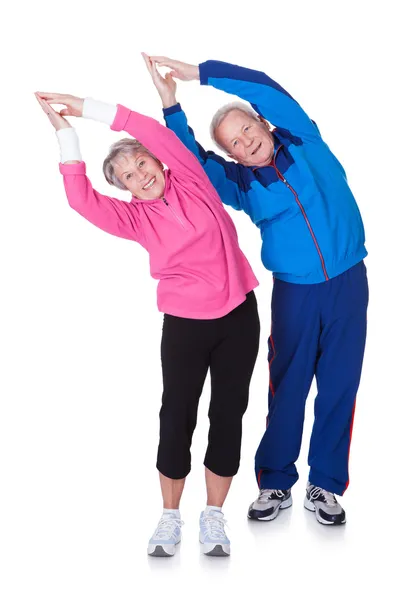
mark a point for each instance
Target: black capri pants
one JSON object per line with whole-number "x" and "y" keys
{"x": 228, "y": 346}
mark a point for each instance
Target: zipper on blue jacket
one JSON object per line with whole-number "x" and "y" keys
{"x": 282, "y": 178}
{"x": 173, "y": 212}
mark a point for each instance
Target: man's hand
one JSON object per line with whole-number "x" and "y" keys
{"x": 166, "y": 86}
{"x": 180, "y": 70}
{"x": 73, "y": 104}
{"x": 55, "y": 118}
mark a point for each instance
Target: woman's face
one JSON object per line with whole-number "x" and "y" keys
{"x": 141, "y": 174}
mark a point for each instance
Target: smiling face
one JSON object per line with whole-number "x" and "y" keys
{"x": 141, "y": 174}
{"x": 245, "y": 139}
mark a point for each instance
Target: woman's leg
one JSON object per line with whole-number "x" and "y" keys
{"x": 185, "y": 361}
{"x": 217, "y": 488}
{"x": 232, "y": 362}
{"x": 171, "y": 491}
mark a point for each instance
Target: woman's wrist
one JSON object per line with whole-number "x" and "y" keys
{"x": 69, "y": 145}
{"x": 99, "y": 111}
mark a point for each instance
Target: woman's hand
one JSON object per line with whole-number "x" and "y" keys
{"x": 73, "y": 104}
{"x": 180, "y": 70}
{"x": 55, "y": 118}
{"x": 166, "y": 86}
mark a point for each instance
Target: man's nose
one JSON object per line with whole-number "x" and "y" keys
{"x": 247, "y": 141}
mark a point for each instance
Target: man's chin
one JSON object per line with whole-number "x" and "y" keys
{"x": 263, "y": 163}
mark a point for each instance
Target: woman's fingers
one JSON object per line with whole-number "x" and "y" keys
{"x": 54, "y": 97}
{"x": 57, "y": 121}
{"x": 46, "y": 108}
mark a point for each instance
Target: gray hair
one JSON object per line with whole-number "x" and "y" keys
{"x": 127, "y": 147}
{"x": 220, "y": 115}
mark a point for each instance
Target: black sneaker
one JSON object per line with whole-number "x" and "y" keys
{"x": 324, "y": 504}
{"x": 268, "y": 504}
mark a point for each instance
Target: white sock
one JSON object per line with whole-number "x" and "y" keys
{"x": 209, "y": 508}
{"x": 172, "y": 511}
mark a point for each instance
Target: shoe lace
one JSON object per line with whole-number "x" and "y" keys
{"x": 167, "y": 528}
{"x": 265, "y": 495}
{"x": 214, "y": 526}
{"x": 328, "y": 497}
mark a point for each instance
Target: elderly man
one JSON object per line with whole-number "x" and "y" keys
{"x": 295, "y": 190}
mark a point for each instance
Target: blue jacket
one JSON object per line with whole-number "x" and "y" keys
{"x": 309, "y": 221}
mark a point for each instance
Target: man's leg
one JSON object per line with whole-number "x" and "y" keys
{"x": 293, "y": 347}
{"x": 342, "y": 343}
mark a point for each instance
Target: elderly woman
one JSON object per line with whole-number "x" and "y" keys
{"x": 205, "y": 290}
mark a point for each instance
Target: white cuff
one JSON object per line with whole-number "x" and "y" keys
{"x": 69, "y": 144}
{"x": 99, "y": 111}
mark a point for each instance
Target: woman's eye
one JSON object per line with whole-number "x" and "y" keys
{"x": 128, "y": 176}
{"x": 234, "y": 143}
{"x": 142, "y": 163}
{"x": 246, "y": 128}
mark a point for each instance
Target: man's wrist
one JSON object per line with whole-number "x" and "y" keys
{"x": 195, "y": 71}
{"x": 169, "y": 101}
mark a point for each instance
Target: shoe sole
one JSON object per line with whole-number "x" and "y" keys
{"x": 216, "y": 549}
{"x": 285, "y": 504}
{"x": 312, "y": 508}
{"x": 164, "y": 551}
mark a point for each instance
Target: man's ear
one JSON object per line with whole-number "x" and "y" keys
{"x": 265, "y": 122}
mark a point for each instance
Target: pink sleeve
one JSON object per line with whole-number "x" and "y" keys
{"x": 161, "y": 141}
{"x": 109, "y": 214}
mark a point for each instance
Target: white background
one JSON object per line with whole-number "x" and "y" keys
{"x": 80, "y": 332}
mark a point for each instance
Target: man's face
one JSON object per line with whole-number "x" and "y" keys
{"x": 245, "y": 139}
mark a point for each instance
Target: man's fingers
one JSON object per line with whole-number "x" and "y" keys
{"x": 64, "y": 112}
{"x": 160, "y": 58}
{"x": 163, "y": 61}
{"x": 148, "y": 63}
{"x": 154, "y": 68}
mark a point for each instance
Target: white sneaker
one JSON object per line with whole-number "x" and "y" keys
{"x": 324, "y": 504}
{"x": 166, "y": 536}
{"x": 212, "y": 533}
{"x": 266, "y": 507}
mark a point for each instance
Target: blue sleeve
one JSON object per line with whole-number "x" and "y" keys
{"x": 266, "y": 96}
{"x": 224, "y": 175}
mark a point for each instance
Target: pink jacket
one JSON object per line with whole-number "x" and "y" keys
{"x": 190, "y": 238}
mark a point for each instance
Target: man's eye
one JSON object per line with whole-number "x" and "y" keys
{"x": 128, "y": 176}
{"x": 246, "y": 128}
{"x": 234, "y": 143}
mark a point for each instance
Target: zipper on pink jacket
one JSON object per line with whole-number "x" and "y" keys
{"x": 282, "y": 178}
{"x": 173, "y": 212}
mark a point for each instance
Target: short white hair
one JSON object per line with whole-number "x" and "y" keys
{"x": 221, "y": 113}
